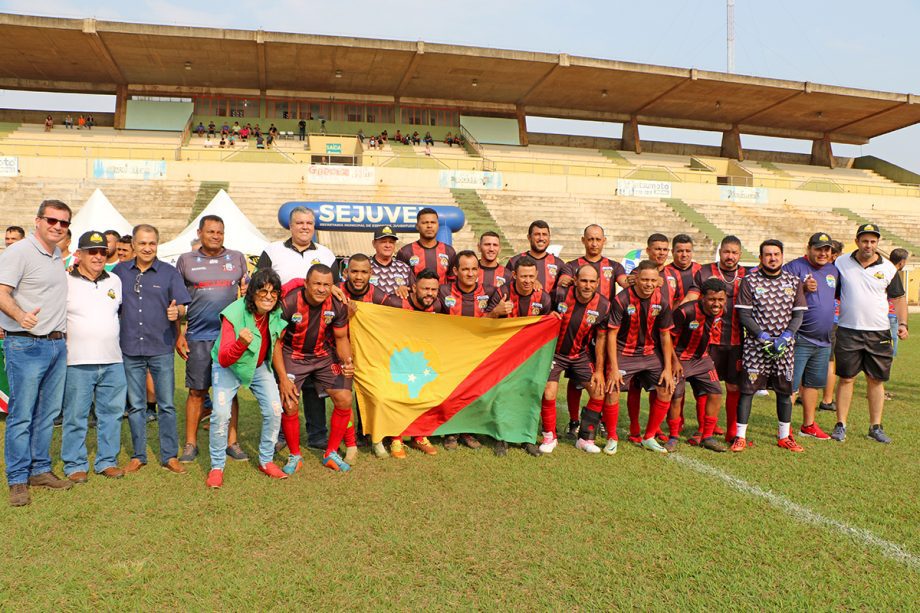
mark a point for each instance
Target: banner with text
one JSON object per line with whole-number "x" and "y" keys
{"x": 145, "y": 170}
{"x": 341, "y": 175}
{"x": 470, "y": 179}
{"x": 9, "y": 167}
{"x": 643, "y": 189}
{"x": 731, "y": 193}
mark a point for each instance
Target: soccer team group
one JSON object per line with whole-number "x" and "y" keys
{"x": 283, "y": 333}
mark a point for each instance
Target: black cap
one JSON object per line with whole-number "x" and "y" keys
{"x": 868, "y": 228}
{"x": 385, "y": 232}
{"x": 820, "y": 239}
{"x": 92, "y": 239}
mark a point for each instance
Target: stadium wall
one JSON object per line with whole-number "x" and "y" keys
{"x": 158, "y": 115}
{"x": 38, "y": 117}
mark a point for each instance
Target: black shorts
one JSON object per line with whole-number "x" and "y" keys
{"x": 776, "y": 381}
{"x": 643, "y": 369}
{"x": 727, "y": 360}
{"x": 579, "y": 369}
{"x": 198, "y": 365}
{"x": 325, "y": 373}
{"x": 869, "y": 351}
{"x": 701, "y": 374}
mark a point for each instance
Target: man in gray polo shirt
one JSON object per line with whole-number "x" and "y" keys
{"x": 33, "y": 311}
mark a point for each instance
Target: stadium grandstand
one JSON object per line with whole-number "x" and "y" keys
{"x": 331, "y": 102}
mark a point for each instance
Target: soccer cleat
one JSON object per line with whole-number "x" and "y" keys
{"x": 450, "y": 442}
{"x": 635, "y": 439}
{"x": 236, "y": 452}
{"x": 587, "y": 446}
{"x": 500, "y": 449}
{"x": 351, "y": 454}
{"x": 549, "y": 442}
{"x": 814, "y": 431}
{"x": 572, "y": 431}
{"x": 611, "y": 447}
{"x": 718, "y": 431}
{"x": 790, "y": 444}
{"x": 877, "y": 434}
{"x": 827, "y": 406}
{"x": 839, "y": 433}
{"x": 651, "y": 444}
{"x": 294, "y": 463}
{"x": 671, "y": 445}
{"x": 421, "y": 443}
{"x": 397, "y": 449}
{"x": 271, "y": 469}
{"x": 532, "y": 449}
{"x": 713, "y": 444}
{"x": 601, "y": 430}
{"x": 215, "y": 478}
{"x": 334, "y": 462}
{"x": 380, "y": 450}
{"x": 694, "y": 440}
{"x": 189, "y": 453}
{"x": 739, "y": 445}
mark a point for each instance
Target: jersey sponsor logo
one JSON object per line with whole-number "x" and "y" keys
{"x": 631, "y": 310}
{"x": 831, "y": 281}
{"x": 413, "y": 261}
{"x": 450, "y": 302}
{"x": 591, "y": 317}
{"x": 694, "y": 325}
{"x": 213, "y": 261}
{"x": 562, "y": 308}
{"x": 297, "y": 318}
{"x": 551, "y": 270}
{"x": 327, "y": 316}
{"x": 111, "y": 294}
{"x": 199, "y": 268}
{"x": 443, "y": 260}
{"x": 607, "y": 271}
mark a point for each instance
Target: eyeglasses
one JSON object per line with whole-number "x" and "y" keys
{"x": 97, "y": 251}
{"x": 137, "y": 283}
{"x": 265, "y": 293}
{"x": 53, "y": 221}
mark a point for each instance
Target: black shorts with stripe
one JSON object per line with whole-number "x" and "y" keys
{"x": 701, "y": 374}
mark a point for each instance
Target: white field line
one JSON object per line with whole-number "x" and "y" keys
{"x": 890, "y": 550}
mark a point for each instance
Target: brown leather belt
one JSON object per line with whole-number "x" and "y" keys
{"x": 51, "y": 336}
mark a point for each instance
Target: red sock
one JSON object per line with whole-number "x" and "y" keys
{"x": 656, "y": 413}
{"x": 731, "y": 414}
{"x": 674, "y": 427}
{"x": 709, "y": 425}
{"x": 290, "y": 425}
{"x": 351, "y": 437}
{"x": 338, "y": 424}
{"x": 610, "y": 414}
{"x": 701, "y": 410}
{"x": 573, "y": 401}
{"x": 548, "y": 415}
{"x": 633, "y": 403}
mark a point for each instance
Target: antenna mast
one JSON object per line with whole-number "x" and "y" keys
{"x": 730, "y": 38}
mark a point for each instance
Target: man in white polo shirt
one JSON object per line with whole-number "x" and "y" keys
{"x": 94, "y": 363}
{"x": 867, "y": 282}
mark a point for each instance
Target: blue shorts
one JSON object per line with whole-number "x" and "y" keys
{"x": 810, "y": 368}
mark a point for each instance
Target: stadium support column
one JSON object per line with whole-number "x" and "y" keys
{"x": 630, "y": 140}
{"x": 731, "y": 145}
{"x": 121, "y": 106}
{"x": 821, "y": 152}
{"x": 522, "y": 126}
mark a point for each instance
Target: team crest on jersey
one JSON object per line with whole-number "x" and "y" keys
{"x": 482, "y": 302}
{"x": 694, "y": 325}
{"x": 413, "y": 261}
{"x": 753, "y": 374}
{"x": 607, "y": 272}
{"x": 443, "y": 260}
{"x": 551, "y": 270}
{"x": 499, "y": 281}
{"x": 400, "y": 281}
{"x": 535, "y": 308}
{"x": 228, "y": 267}
{"x": 327, "y": 316}
{"x": 296, "y": 318}
{"x": 450, "y": 302}
{"x": 672, "y": 282}
{"x": 591, "y": 317}
{"x": 562, "y": 308}
{"x": 315, "y": 261}
{"x": 654, "y": 309}
{"x": 111, "y": 294}
{"x": 831, "y": 281}
{"x": 760, "y": 291}
{"x": 789, "y": 290}
{"x": 631, "y": 310}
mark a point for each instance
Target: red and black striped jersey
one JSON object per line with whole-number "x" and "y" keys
{"x": 439, "y": 259}
{"x": 495, "y": 276}
{"x": 608, "y": 272}
{"x": 731, "y": 333}
{"x": 639, "y": 321}
{"x": 549, "y": 268}
{"x": 693, "y": 330}
{"x": 580, "y": 323}
{"x": 537, "y": 303}
{"x": 371, "y": 294}
{"x": 680, "y": 280}
{"x": 406, "y": 304}
{"x": 309, "y": 331}
{"x": 468, "y": 304}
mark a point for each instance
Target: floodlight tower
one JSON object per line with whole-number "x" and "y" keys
{"x": 730, "y": 35}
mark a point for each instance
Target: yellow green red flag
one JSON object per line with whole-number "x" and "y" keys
{"x": 421, "y": 374}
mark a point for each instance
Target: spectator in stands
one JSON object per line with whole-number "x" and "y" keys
{"x": 111, "y": 245}
{"x": 90, "y": 122}
{"x": 398, "y": 136}
{"x": 81, "y": 121}
{"x": 416, "y": 139}
{"x": 257, "y": 130}
{"x": 225, "y": 128}
{"x": 361, "y": 136}
{"x": 49, "y": 123}
{"x": 260, "y": 142}
{"x": 14, "y": 234}
{"x": 223, "y": 140}
{"x": 231, "y": 140}
{"x": 125, "y": 248}
{"x": 428, "y": 140}
{"x": 322, "y": 126}
{"x": 302, "y": 129}
{"x": 269, "y": 140}
{"x": 272, "y": 130}
{"x": 208, "y": 142}
{"x": 68, "y": 122}
{"x": 384, "y": 136}
{"x": 427, "y": 149}
{"x": 449, "y": 139}
{"x": 372, "y": 142}
{"x": 244, "y": 133}
{"x": 236, "y": 127}
{"x": 200, "y": 129}
{"x": 211, "y": 128}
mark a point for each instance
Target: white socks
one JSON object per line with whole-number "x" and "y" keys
{"x": 742, "y": 430}
{"x": 783, "y": 430}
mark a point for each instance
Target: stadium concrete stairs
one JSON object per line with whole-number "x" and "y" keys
{"x": 905, "y": 226}
{"x": 615, "y": 157}
{"x": 480, "y": 219}
{"x": 693, "y": 217}
{"x": 407, "y": 157}
{"x": 206, "y": 192}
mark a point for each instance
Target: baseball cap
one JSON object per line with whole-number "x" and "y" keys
{"x": 385, "y": 232}
{"x": 91, "y": 239}
{"x": 868, "y": 228}
{"x": 820, "y": 239}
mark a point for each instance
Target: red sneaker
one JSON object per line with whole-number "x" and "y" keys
{"x": 635, "y": 439}
{"x": 694, "y": 440}
{"x": 814, "y": 431}
{"x": 739, "y": 444}
{"x": 271, "y": 469}
{"x": 215, "y": 478}
{"x": 790, "y": 444}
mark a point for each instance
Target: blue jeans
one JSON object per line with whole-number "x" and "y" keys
{"x": 810, "y": 367}
{"x": 36, "y": 369}
{"x": 162, "y": 369}
{"x": 224, "y": 386}
{"x": 106, "y": 383}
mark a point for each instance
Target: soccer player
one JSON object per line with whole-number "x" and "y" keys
{"x": 641, "y": 318}
{"x": 388, "y": 273}
{"x": 520, "y": 298}
{"x": 584, "y": 318}
{"x": 725, "y": 350}
{"x": 357, "y": 285}
{"x": 491, "y": 273}
{"x": 680, "y": 272}
{"x": 428, "y": 253}
{"x": 819, "y": 278}
{"x": 611, "y": 274}
{"x": 770, "y": 305}
{"x": 694, "y": 324}
{"x": 315, "y": 345}
{"x": 548, "y": 266}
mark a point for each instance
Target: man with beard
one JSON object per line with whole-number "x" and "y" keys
{"x": 111, "y": 241}
{"x": 548, "y": 266}
{"x": 428, "y": 253}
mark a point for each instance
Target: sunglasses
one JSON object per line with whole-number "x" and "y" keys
{"x": 264, "y": 293}
{"x": 97, "y": 251}
{"x": 53, "y": 221}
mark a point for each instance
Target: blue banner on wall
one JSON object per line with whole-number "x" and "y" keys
{"x": 129, "y": 169}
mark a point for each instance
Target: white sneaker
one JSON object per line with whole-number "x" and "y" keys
{"x": 549, "y": 442}
{"x": 611, "y": 447}
{"x": 587, "y": 446}
{"x": 380, "y": 451}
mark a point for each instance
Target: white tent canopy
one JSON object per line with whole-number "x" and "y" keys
{"x": 100, "y": 215}
{"x": 239, "y": 233}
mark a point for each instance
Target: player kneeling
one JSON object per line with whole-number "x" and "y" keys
{"x": 695, "y": 323}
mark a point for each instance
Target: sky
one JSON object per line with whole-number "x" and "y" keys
{"x": 843, "y": 42}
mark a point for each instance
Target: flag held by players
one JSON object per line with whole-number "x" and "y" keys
{"x": 421, "y": 374}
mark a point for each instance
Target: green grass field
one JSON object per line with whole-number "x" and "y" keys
{"x": 467, "y": 530}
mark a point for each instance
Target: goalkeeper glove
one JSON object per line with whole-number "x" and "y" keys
{"x": 781, "y": 343}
